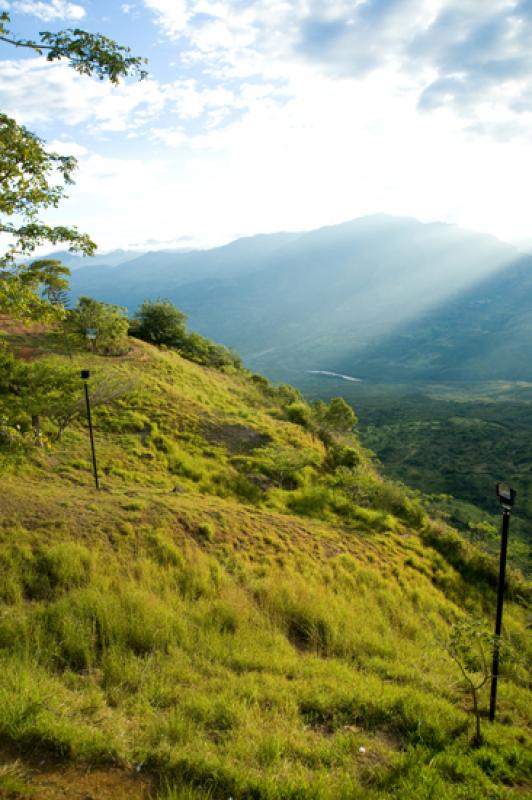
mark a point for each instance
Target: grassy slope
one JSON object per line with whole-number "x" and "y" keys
{"x": 220, "y": 641}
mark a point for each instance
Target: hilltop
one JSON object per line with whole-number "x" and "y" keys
{"x": 246, "y": 609}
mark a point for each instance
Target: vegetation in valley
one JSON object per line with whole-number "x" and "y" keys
{"x": 452, "y": 443}
{"x": 246, "y": 609}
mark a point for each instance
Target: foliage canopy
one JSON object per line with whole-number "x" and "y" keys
{"x": 109, "y": 321}
{"x": 160, "y": 322}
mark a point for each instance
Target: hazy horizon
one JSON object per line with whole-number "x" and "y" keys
{"x": 154, "y": 246}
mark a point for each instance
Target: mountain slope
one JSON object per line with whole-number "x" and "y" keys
{"x": 111, "y": 259}
{"x": 246, "y": 609}
{"x": 338, "y": 298}
{"x": 484, "y": 333}
{"x": 167, "y": 272}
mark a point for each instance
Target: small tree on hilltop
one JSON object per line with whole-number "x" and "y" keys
{"x": 160, "y": 322}
{"x": 47, "y": 390}
{"x": 109, "y": 321}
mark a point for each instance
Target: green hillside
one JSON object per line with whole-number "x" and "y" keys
{"x": 453, "y": 442}
{"x": 246, "y": 609}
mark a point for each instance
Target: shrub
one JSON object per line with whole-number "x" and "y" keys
{"x": 160, "y": 322}
{"x": 342, "y": 457}
{"x": 284, "y": 464}
{"x": 300, "y": 414}
{"x": 43, "y": 573}
{"x": 110, "y": 322}
{"x": 261, "y": 381}
{"x": 163, "y": 551}
{"x": 310, "y": 502}
{"x": 337, "y": 417}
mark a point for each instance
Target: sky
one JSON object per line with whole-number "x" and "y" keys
{"x": 268, "y": 115}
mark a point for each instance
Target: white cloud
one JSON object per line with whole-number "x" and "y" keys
{"x": 66, "y": 148}
{"x": 48, "y": 11}
{"x": 37, "y": 92}
{"x": 172, "y": 15}
{"x": 468, "y": 55}
{"x": 333, "y": 152}
{"x": 300, "y": 113}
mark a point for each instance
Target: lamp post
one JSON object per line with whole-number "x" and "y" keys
{"x": 506, "y": 497}
{"x": 85, "y": 375}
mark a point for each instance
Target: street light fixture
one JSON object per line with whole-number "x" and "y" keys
{"x": 506, "y": 497}
{"x": 85, "y": 375}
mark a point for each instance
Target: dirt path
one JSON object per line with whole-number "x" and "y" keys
{"x": 43, "y": 780}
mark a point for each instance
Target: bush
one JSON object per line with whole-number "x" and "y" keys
{"x": 59, "y": 568}
{"x": 342, "y": 457}
{"x": 300, "y": 414}
{"x": 44, "y": 573}
{"x": 311, "y": 502}
{"x": 261, "y": 381}
{"x": 110, "y": 322}
{"x": 285, "y": 464}
{"x": 337, "y": 417}
{"x": 160, "y": 323}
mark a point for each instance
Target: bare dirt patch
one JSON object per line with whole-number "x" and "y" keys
{"x": 237, "y": 439}
{"x": 14, "y": 327}
{"x": 43, "y": 779}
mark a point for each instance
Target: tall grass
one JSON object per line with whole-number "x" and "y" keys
{"x": 243, "y": 621}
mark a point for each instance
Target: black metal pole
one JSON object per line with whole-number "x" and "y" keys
{"x": 498, "y": 621}
{"x": 91, "y": 435}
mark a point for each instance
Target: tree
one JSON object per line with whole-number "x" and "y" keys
{"x": 338, "y": 416}
{"x": 28, "y": 170}
{"x": 47, "y": 390}
{"x": 469, "y": 645}
{"x": 109, "y": 321}
{"x": 300, "y": 414}
{"x": 160, "y": 322}
{"x": 52, "y": 278}
{"x": 40, "y": 291}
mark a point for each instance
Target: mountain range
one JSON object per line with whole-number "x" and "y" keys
{"x": 380, "y": 298}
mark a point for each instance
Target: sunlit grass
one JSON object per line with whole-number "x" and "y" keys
{"x": 235, "y": 629}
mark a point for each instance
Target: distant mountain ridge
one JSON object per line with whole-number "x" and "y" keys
{"x": 110, "y": 259}
{"x": 380, "y": 298}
